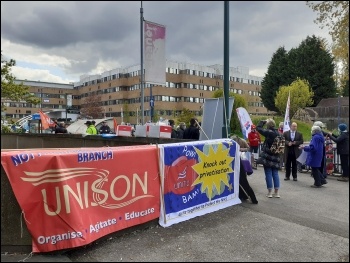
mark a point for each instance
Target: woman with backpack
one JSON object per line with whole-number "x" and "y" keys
{"x": 271, "y": 160}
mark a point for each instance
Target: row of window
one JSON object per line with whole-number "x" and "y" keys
{"x": 169, "y": 84}
{"x": 172, "y": 71}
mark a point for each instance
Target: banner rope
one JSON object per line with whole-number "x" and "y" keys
{"x": 27, "y": 257}
{"x": 161, "y": 180}
{"x": 24, "y": 216}
{"x": 200, "y": 127}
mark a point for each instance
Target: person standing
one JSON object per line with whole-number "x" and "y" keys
{"x": 94, "y": 123}
{"x": 292, "y": 151}
{"x": 105, "y": 129}
{"x": 323, "y": 163}
{"x": 280, "y": 131}
{"x": 246, "y": 192}
{"x": 342, "y": 142}
{"x": 192, "y": 132}
{"x": 91, "y": 129}
{"x": 173, "y": 130}
{"x": 273, "y": 161}
{"x": 60, "y": 128}
{"x": 254, "y": 141}
{"x": 181, "y": 130}
{"x": 315, "y": 155}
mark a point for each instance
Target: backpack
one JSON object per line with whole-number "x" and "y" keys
{"x": 278, "y": 144}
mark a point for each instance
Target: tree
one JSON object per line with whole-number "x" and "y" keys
{"x": 310, "y": 61}
{"x": 335, "y": 16}
{"x": 277, "y": 75}
{"x": 300, "y": 96}
{"x": 238, "y": 101}
{"x": 91, "y": 107}
{"x": 9, "y": 89}
{"x": 126, "y": 113}
{"x": 185, "y": 116}
{"x": 314, "y": 63}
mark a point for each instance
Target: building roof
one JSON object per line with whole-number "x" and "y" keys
{"x": 331, "y": 102}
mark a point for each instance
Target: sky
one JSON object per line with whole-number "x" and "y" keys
{"x": 53, "y": 41}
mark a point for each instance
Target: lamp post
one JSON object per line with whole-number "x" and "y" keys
{"x": 338, "y": 108}
{"x": 68, "y": 104}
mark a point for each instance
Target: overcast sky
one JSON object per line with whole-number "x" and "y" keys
{"x": 60, "y": 41}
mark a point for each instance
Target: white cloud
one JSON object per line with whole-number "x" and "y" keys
{"x": 37, "y": 75}
{"x": 78, "y": 38}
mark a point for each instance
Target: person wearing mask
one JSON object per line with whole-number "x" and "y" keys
{"x": 181, "y": 130}
{"x": 192, "y": 132}
{"x": 105, "y": 129}
{"x": 173, "y": 130}
{"x": 314, "y": 155}
{"x": 342, "y": 142}
{"x": 254, "y": 141}
{"x": 273, "y": 164}
{"x": 91, "y": 129}
{"x": 60, "y": 128}
{"x": 292, "y": 151}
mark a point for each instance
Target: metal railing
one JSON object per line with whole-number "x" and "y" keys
{"x": 336, "y": 159}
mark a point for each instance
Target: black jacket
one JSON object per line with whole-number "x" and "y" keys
{"x": 104, "y": 129}
{"x": 192, "y": 133}
{"x": 342, "y": 142}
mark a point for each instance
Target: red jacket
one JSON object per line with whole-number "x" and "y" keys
{"x": 254, "y": 138}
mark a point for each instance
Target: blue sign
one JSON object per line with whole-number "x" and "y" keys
{"x": 151, "y": 103}
{"x": 36, "y": 116}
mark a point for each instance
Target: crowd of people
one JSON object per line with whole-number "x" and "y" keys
{"x": 294, "y": 145}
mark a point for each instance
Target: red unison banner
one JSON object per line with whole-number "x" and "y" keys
{"x": 71, "y": 197}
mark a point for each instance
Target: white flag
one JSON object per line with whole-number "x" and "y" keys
{"x": 286, "y": 124}
{"x": 245, "y": 121}
{"x": 154, "y": 53}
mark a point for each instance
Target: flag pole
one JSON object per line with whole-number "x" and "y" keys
{"x": 142, "y": 74}
{"x": 286, "y": 123}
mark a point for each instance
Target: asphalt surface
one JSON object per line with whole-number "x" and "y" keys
{"x": 304, "y": 225}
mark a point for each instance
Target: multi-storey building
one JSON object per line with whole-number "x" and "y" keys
{"x": 187, "y": 86}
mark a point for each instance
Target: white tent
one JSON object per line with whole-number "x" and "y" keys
{"x": 78, "y": 127}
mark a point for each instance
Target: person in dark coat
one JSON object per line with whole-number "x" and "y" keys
{"x": 292, "y": 151}
{"x": 315, "y": 155}
{"x": 342, "y": 142}
{"x": 192, "y": 132}
{"x": 181, "y": 130}
{"x": 105, "y": 129}
{"x": 60, "y": 128}
{"x": 173, "y": 130}
{"x": 245, "y": 192}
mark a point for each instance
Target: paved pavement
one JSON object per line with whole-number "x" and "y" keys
{"x": 304, "y": 225}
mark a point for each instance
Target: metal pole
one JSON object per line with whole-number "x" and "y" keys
{"x": 151, "y": 104}
{"x": 142, "y": 75}
{"x": 41, "y": 108}
{"x": 41, "y": 100}
{"x": 226, "y": 127}
{"x": 338, "y": 109}
{"x": 66, "y": 105}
